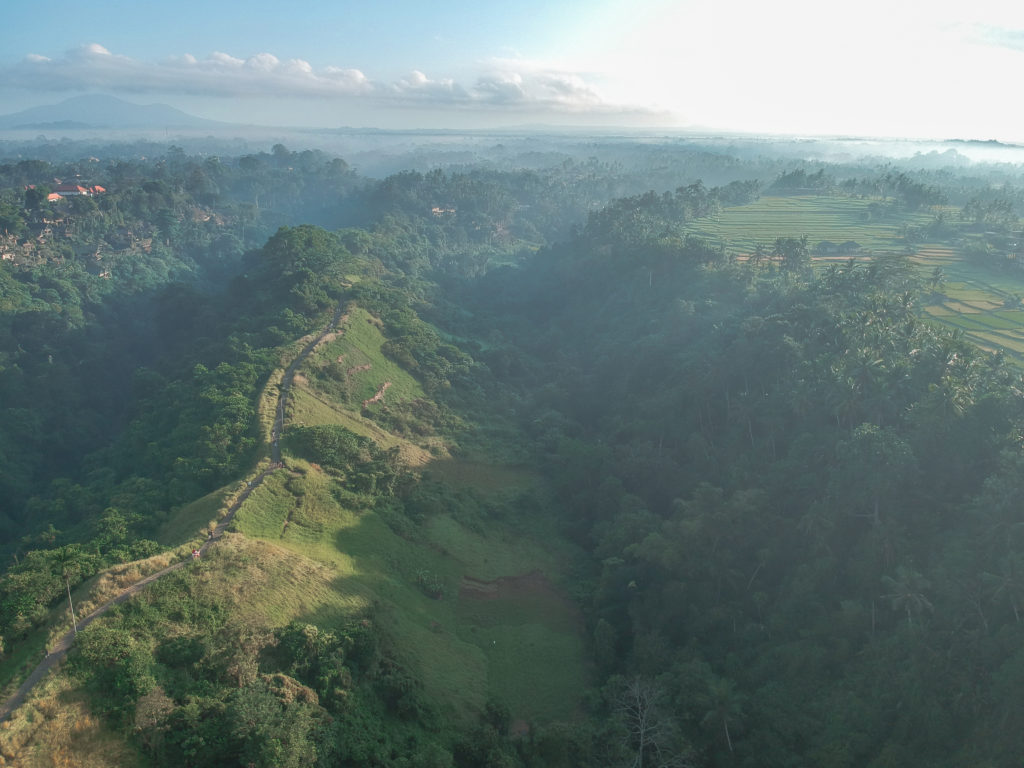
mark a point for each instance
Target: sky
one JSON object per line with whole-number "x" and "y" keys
{"x": 887, "y": 68}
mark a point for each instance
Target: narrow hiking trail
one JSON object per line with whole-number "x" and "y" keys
{"x": 61, "y": 647}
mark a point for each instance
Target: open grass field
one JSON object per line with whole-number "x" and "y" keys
{"x": 348, "y": 370}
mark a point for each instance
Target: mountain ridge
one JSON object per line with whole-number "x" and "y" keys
{"x": 96, "y": 111}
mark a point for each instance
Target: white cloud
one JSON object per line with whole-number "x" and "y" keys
{"x": 522, "y": 82}
{"x": 93, "y": 49}
{"x": 352, "y": 80}
{"x": 224, "y": 59}
{"x": 299, "y": 65}
{"x": 419, "y": 87}
{"x": 569, "y": 90}
{"x": 501, "y": 87}
{"x": 93, "y": 67}
{"x": 264, "y": 62}
{"x": 512, "y": 85}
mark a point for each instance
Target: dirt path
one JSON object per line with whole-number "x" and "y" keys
{"x": 60, "y": 649}
{"x": 286, "y": 383}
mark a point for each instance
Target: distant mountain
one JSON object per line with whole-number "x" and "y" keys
{"x": 102, "y": 112}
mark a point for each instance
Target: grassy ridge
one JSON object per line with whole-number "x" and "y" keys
{"x": 354, "y": 368}
{"x": 521, "y": 642}
{"x": 349, "y": 369}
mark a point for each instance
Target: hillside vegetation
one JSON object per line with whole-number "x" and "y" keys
{"x": 695, "y": 476}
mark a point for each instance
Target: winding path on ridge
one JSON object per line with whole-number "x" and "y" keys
{"x": 61, "y": 647}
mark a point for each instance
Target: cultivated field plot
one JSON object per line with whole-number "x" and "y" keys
{"x": 984, "y": 305}
{"x": 835, "y": 219}
{"x": 933, "y": 256}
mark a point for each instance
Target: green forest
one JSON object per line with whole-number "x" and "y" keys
{"x": 625, "y": 454}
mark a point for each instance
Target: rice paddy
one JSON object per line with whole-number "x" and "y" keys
{"x": 836, "y": 220}
{"x": 984, "y": 305}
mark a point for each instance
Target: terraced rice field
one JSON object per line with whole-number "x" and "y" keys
{"x": 984, "y": 306}
{"x": 836, "y": 219}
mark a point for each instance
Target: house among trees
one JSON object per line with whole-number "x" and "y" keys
{"x": 69, "y": 190}
{"x": 72, "y": 190}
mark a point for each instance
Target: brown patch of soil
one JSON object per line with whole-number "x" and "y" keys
{"x": 379, "y": 396}
{"x": 531, "y": 584}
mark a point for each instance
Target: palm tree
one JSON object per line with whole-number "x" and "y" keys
{"x": 1008, "y": 584}
{"x": 864, "y": 368}
{"x": 724, "y": 705}
{"x": 844, "y": 397}
{"x": 908, "y": 592}
{"x": 817, "y": 524}
{"x": 949, "y": 399}
{"x": 758, "y": 256}
{"x": 742, "y": 411}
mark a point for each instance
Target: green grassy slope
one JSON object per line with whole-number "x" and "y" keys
{"x": 499, "y": 627}
{"x": 450, "y": 642}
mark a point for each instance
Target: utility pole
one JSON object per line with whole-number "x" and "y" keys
{"x": 71, "y": 607}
